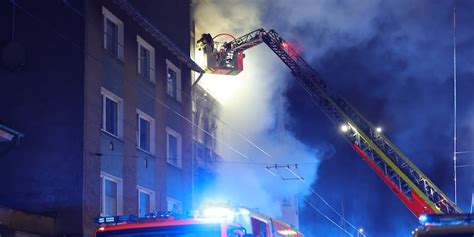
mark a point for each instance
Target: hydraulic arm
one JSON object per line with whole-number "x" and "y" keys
{"x": 414, "y": 189}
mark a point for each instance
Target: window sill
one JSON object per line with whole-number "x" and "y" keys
{"x": 173, "y": 98}
{"x": 145, "y": 151}
{"x": 173, "y": 165}
{"x": 111, "y": 134}
{"x": 114, "y": 57}
{"x": 147, "y": 80}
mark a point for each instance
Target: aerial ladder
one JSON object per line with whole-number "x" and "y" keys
{"x": 412, "y": 187}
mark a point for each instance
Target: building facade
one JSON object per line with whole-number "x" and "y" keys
{"x": 206, "y": 159}
{"x": 102, "y": 92}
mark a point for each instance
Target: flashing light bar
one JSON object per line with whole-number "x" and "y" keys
{"x": 160, "y": 215}
{"x": 287, "y": 232}
{"x": 446, "y": 219}
{"x": 115, "y": 219}
{"x": 131, "y": 218}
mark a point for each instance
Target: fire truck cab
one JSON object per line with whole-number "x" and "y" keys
{"x": 445, "y": 225}
{"x": 213, "y": 222}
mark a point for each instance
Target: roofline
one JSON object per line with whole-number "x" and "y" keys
{"x": 11, "y": 130}
{"x": 158, "y": 35}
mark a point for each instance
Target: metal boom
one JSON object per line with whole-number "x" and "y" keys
{"x": 414, "y": 189}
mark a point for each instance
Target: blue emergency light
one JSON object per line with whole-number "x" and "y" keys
{"x": 159, "y": 215}
{"x": 115, "y": 219}
{"x": 446, "y": 219}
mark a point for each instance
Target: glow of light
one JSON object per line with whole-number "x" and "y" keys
{"x": 284, "y": 45}
{"x": 378, "y": 129}
{"x": 423, "y": 218}
{"x": 243, "y": 211}
{"x": 101, "y": 228}
{"x": 218, "y": 212}
{"x": 225, "y": 89}
{"x": 344, "y": 128}
{"x": 287, "y": 232}
{"x": 361, "y": 230}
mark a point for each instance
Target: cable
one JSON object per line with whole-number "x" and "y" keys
{"x": 329, "y": 205}
{"x": 455, "y": 105}
{"x": 327, "y": 217}
{"x": 152, "y": 96}
{"x": 276, "y": 166}
{"x": 191, "y": 97}
{"x": 152, "y": 156}
{"x": 171, "y": 109}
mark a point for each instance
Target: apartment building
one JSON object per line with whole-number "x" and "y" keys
{"x": 205, "y": 112}
{"x": 102, "y": 92}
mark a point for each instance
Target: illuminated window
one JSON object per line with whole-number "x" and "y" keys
{"x": 111, "y": 113}
{"x": 145, "y": 132}
{"x": 173, "y": 142}
{"x": 174, "y": 205}
{"x": 113, "y": 34}
{"x": 111, "y": 195}
{"x": 173, "y": 80}
{"x": 146, "y": 201}
{"x": 146, "y": 60}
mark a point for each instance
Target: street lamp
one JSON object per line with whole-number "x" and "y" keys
{"x": 360, "y": 232}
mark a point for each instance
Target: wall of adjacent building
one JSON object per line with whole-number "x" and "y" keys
{"x": 44, "y": 100}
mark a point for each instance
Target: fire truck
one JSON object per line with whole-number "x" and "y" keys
{"x": 209, "y": 222}
{"x": 445, "y": 225}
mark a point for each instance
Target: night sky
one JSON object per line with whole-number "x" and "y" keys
{"x": 400, "y": 76}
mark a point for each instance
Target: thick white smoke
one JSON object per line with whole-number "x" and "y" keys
{"x": 253, "y": 102}
{"x": 253, "y": 105}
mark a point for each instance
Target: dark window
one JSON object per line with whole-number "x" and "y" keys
{"x": 144, "y": 207}
{"x": 144, "y": 133}
{"x": 110, "y": 198}
{"x": 171, "y": 83}
{"x": 144, "y": 62}
{"x": 110, "y": 123}
{"x": 111, "y": 37}
{"x": 172, "y": 149}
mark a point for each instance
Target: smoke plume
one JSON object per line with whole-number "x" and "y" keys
{"x": 253, "y": 106}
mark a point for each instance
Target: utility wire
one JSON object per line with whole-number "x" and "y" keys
{"x": 152, "y": 96}
{"x": 169, "y": 107}
{"x": 320, "y": 197}
{"x": 327, "y": 217}
{"x": 455, "y": 106}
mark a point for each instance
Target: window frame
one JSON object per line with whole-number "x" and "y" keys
{"x": 177, "y": 90}
{"x": 179, "y": 158}
{"x": 106, "y": 176}
{"x": 142, "y": 43}
{"x": 107, "y": 94}
{"x": 170, "y": 200}
{"x": 151, "y": 120}
{"x": 107, "y": 15}
{"x": 151, "y": 193}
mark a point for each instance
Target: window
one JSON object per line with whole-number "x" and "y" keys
{"x": 146, "y": 201}
{"x": 146, "y": 60}
{"x": 113, "y": 34}
{"x": 174, "y": 205}
{"x": 111, "y": 195}
{"x": 145, "y": 132}
{"x": 173, "y": 142}
{"x": 111, "y": 113}
{"x": 173, "y": 80}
